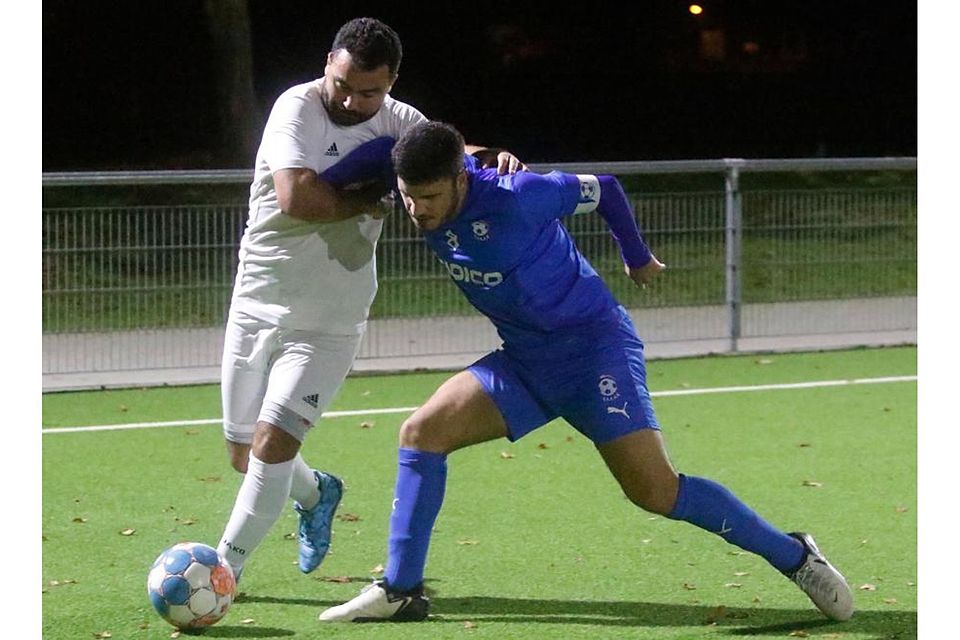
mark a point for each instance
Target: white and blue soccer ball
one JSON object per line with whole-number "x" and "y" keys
{"x": 191, "y": 585}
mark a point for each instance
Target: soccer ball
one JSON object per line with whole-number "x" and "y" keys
{"x": 191, "y": 585}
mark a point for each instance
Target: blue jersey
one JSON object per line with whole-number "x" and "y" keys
{"x": 517, "y": 264}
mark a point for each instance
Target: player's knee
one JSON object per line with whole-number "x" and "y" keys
{"x": 239, "y": 465}
{"x": 653, "y": 497}
{"x": 239, "y": 454}
{"x": 272, "y": 445}
{"x": 416, "y": 433}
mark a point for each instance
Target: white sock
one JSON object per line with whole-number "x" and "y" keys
{"x": 260, "y": 501}
{"x": 304, "y": 487}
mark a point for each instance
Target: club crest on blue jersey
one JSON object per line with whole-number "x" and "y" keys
{"x": 608, "y": 387}
{"x": 481, "y": 230}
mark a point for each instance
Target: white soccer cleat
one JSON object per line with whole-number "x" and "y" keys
{"x": 376, "y": 603}
{"x": 822, "y": 582}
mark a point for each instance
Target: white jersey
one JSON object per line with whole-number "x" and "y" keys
{"x": 317, "y": 276}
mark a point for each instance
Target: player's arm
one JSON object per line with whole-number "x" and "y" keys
{"x": 351, "y": 187}
{"x": 639, "y": 263}
{"x": 503, "y": 160}
{"x": 302, "y": 194}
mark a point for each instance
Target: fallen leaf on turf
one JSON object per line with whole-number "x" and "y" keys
{"x": 128, "y": 532}
{"x": 210, "y": 479}
{"x": 348, "y": 517}
{"x": 186, "y": 521}
{"x": 124, "y": 408}
{"x": 248, "y": 621}
{"x": 469, "y": 625}
{"x": 175, "y": 634}
{"x": 569, "y": 438}
{"x": 868, "y": 587}
{"x": 289, "y": 536}
{"x": 377, "y": 569}
{"x": 804, "y": 444}
{"x": 799, "y": 634}
{"x": 192, "y": 432}
{"x": 103, "y": 634}
{"x": 506, "y": 456}
{"x": 646, "y": 541}
{"x": 764, "y": 361}
{"x": 719, "y": 613}
{"x": 689, "y": 587}
{"x": 741, "y": 573}
{"x": 366, "y": 424}
{"x": 57, "y": 583}
{"x": 890, "y": 601}
{"x": 466, "y": 542}
{"x": 811, "y": 483}
{"x": 542, "y": 445}
{"x": 337, "y": 579}
{"x": 911, "y": 584}
{"x": 144, "y": 625}
{"x": 733, "y": 585}
{"x": 79, "y": 520}
{"x": 902, "y": 509}
{"x": 756, "y": 600}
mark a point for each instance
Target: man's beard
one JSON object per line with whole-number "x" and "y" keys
{"x": 341, "y": 116}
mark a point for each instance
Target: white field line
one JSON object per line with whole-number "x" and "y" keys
{"x": 370, "y": 412}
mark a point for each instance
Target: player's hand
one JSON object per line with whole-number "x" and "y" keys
{"x": 644, "y": 275}
{"x": 509, "y": 163}
{"x": 366, "y": 198}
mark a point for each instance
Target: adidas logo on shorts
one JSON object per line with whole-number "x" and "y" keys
{"x": 312, "y": 400}
{"x": 332, "y": 150}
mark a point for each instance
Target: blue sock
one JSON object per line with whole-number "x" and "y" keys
{"x": 713, "y": 507}
{"x": 421, "y": 481}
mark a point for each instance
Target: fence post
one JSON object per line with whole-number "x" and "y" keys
{"x": 734, "y": 228}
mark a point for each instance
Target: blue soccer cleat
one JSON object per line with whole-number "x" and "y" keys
{"x": 316, "y": 523}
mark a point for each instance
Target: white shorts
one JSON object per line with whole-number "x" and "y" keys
{"x": 285, "y": 377}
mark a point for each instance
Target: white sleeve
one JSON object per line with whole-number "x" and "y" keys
{"x": 403, "y": 117}
{"x": 286, "y": 135}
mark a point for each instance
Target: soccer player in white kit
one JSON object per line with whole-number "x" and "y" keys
{"x": 304, "y": 285}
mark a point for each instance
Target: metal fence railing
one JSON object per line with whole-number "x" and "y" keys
{"x": 132, "y": 286}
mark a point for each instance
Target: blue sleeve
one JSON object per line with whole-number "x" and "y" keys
{"x": 545, "y": 197}
{"x": 615, "y": 209}
{"x": 369, "y": 161}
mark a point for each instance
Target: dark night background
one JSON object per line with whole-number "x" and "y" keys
{"x": 140, "y": 85}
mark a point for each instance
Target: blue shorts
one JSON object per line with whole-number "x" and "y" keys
{"x": 601, "y": 391}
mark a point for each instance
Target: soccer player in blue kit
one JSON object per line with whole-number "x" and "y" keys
{"x": 569, "y": 350}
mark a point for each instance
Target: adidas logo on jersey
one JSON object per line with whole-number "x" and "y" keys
{"x": 332, "y": 150}
{"x": 312, "y": 400}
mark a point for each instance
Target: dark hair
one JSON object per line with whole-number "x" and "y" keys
{"x": 428, "y": 152}
{"x": 371, "y": 43}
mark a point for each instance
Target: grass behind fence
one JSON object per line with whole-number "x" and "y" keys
{"x": 837, "y": 247}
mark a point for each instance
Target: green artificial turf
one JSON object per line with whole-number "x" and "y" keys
{"x": 534, "y": 539}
